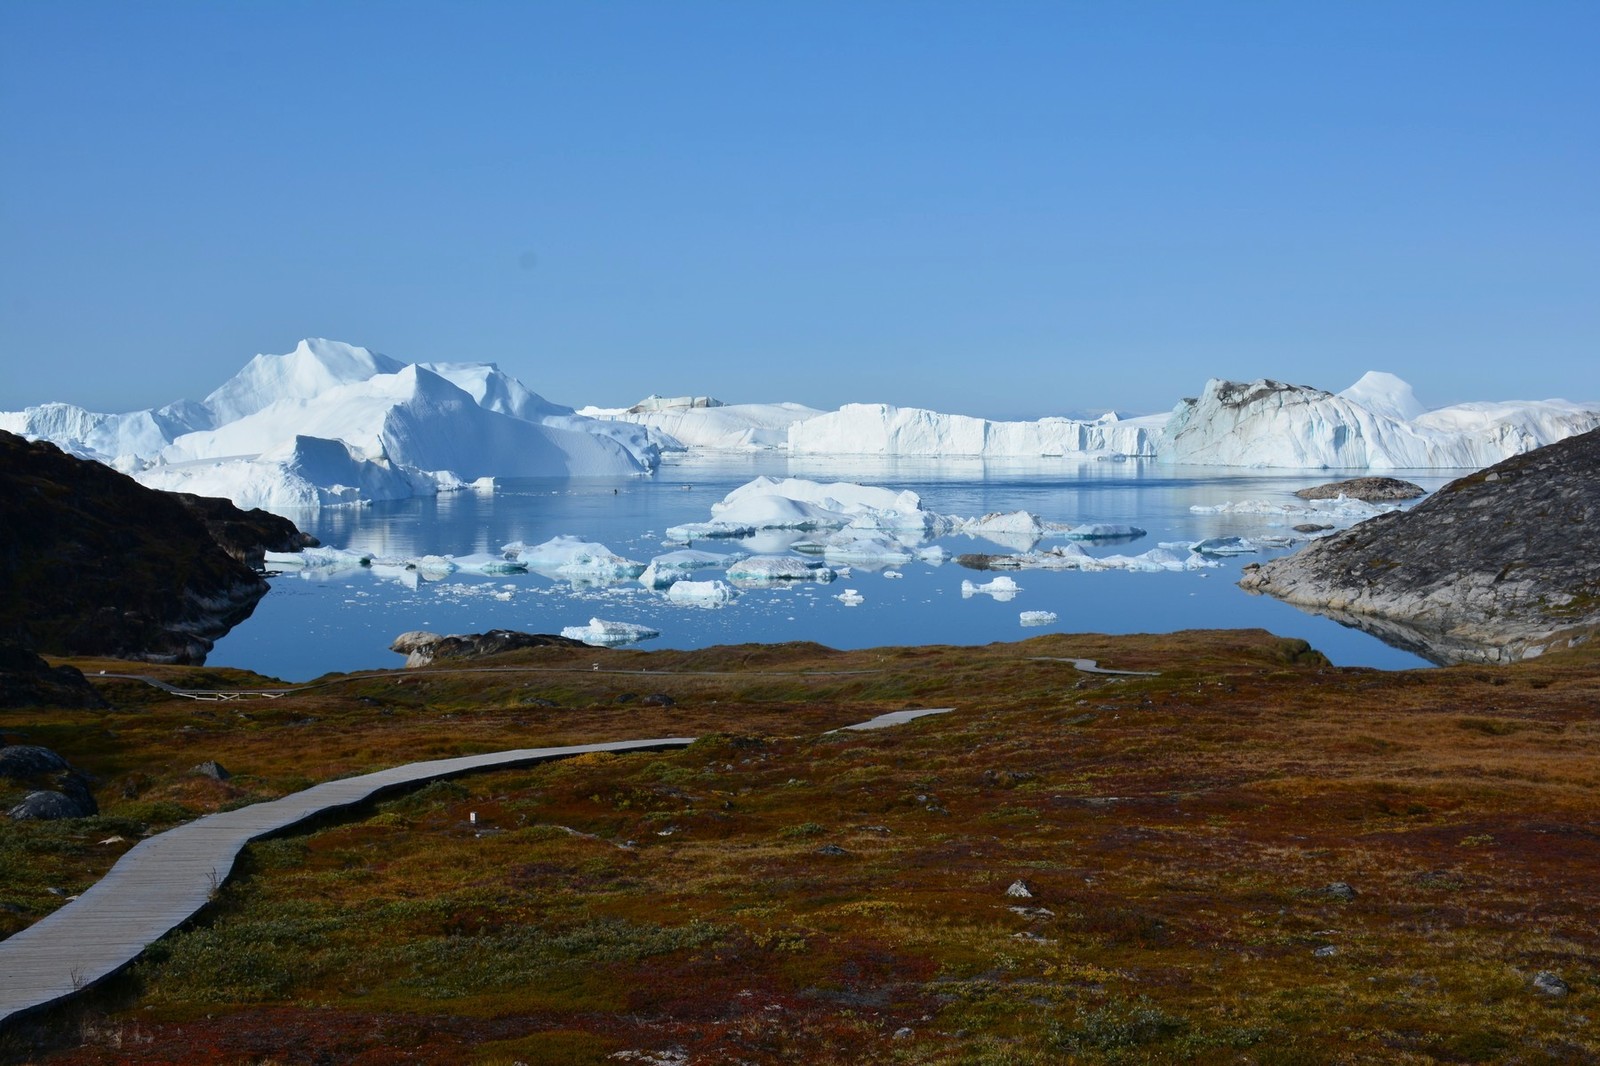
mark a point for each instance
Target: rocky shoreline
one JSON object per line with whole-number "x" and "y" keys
{"x": 1498, "y": 566}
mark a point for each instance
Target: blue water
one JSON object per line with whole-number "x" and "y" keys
{"x": 309, "y": 625}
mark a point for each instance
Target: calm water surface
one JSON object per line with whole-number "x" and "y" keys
{"x": 311, "y": 624}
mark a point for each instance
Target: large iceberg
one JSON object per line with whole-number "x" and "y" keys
{"x": 1376, "y": 424}
{"x": 883, "y": 429}
{"x": 333, "y": 423}
{"x": 703, "y": 424}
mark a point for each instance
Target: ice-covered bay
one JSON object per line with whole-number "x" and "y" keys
{"x": 430, "y": 561}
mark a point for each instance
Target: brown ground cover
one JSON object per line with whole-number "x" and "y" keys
{"x": 775, "y": 893}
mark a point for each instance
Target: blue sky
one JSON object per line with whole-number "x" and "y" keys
{"x": 1001, "y": 208}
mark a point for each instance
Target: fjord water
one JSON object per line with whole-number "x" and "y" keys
{"x": 312, "y": 623}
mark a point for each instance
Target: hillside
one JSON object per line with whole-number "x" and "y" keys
{"x": 1242, "y": 855}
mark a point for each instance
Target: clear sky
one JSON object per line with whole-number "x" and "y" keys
{"x": 1000, "y": 208}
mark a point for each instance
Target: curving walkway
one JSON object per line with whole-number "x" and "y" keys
{"x": 165, "y": 880}
{"x": 1092, "y": 666}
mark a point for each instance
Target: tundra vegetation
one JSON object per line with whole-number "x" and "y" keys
{"x": 1250, "y": 857}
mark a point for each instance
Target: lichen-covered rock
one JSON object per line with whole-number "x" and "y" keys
{"x": 53, "y": 788}
{"x": 1497, "y": 566}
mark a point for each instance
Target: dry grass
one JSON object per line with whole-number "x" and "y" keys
{"x": 1178, "y": 833}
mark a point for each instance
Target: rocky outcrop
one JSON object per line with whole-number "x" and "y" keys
{"x": 1498, "y": 566}
{"x": 422, "y": 648}
{"x": 28, "y": 681}
{"x": 1365, "y": 489}
{"x": 93, "y": 563}
{"x": 245, "y": 535}
{"x": 54, "y": 789}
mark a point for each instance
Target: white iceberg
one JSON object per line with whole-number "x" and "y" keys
{"x": 1225, "y": 546}
{"x": 321, "y": 558}
{"x": 1376, "y": 424}
{"x": 1341, "y": 510}
{"x": 1014, "y": 529}
{"x": 701, "y": 593}
{"x": 1096, "y": 531}
{"x": 490, "y": 563}
{"x": 1037, "y": 618}
{"x": 1001, "y": 588}
{"x": 883, "y": 429}
{"x": 664, "y": 570}
{"x": 568, "y": 556}
{"x": 850, "y": 598}
{"x": 606, "y": 634}
{"x": 703, "y": 424}
{"x": 770, "y": 569}
{"x": 332, "y": 423}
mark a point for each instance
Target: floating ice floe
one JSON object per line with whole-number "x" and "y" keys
{"x": 1072, "y": 557}
{"x": 573, "y": 557}
{"x": 701, "y": 593}
{"x": 771, "y": 569}
{"x": 318, "y": 559}
{"x": 666, "y": 569}
{"x": 893, "y": 574}
{"x": 1341, "y": 510}
{"x": 490, "y": 563}
{"x": 851, "y": 598}
{"x": 1001, "y": 588}
{"x": 1037, "y": 618}
{"x": 604, "y": 634}
{"x": 1225, "y": 546}
{"x": 1095, "y": 531}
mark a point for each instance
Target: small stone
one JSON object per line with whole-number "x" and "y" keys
{"x": 1341, "y": 891}
{"x": 903, "y": 1033}
{"x": 1327, "y": 951}
{"x": 831, "y": 849}
{"x": 627, "y": 697}
{"x": 659, "y": 699}
{"x": 212, "y": 769}
{"x": 1019, "y": 890}
{"x": 1550, "y": 984}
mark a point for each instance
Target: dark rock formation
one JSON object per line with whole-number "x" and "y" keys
{"x": 1494, "y": 567}
{"x": 93, "y": 563}
{"x": 1365, "y": 489}
{"x": 54, "y": 789}
{"x": 245, "y": 535}
{"x": 28, "y": 681}
{"x": 422, "y": 648}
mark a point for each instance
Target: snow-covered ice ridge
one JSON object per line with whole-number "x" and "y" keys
{"x": 332, "y": 423}
{"x": 1378, "y": 423}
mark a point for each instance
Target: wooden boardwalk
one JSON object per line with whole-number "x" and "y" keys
{"x": 165, "y": 880}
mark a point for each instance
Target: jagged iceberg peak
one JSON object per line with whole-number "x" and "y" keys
{"x": 315, "y": 366}
{"x": 496, "y": 390}
{"x": 1266, "y": 423}
{"x": 1385, "y": 394}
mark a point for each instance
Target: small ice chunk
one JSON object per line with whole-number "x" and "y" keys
{"x": 1001, "y": 588}
{"x": 851, "y": 598}
{"x": 1038, "y": 618}
{"x": 893, "y": 574}
{"x": 601, "y": 633}
{"x": 1224, "y": 546}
